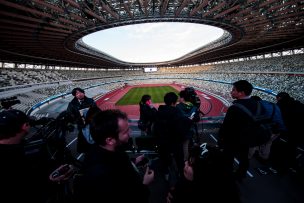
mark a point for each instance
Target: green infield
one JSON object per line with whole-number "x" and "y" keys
{"x": 134, "y": 95}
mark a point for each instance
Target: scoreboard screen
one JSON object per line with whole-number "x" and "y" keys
{"x": 150, "y": 69}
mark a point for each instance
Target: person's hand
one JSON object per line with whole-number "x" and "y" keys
{"x": 169, "y": 196}
{"x": 149, "y": 176}
{"x": 139, "y": 159}
{"x": 188, "y": 171}
{"x": 62, "y": 173}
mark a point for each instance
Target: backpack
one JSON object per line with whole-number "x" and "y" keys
{"x": 259, "y": 129}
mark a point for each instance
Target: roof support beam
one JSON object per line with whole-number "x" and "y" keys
{"x": 164, "y": 6}
{"x": 217, "y": 7}
{"x": 126, "y": 5}
{"x": 109, "y": 10}
{"x": 181, "y": 7}
{"x": 22, "y": 8}
{"x": 227, "y": 11}
{"x": 199, "y": 7}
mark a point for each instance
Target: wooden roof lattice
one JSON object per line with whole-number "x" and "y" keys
{"x": 49, "y": 32}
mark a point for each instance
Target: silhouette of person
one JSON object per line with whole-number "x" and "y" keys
{"x": 147, "y": 112}
{"x": 231, "y": 133}
{"x": 20, "y": 178}
{"x": 108, "y": 174}
{"x": 292, "y": 112}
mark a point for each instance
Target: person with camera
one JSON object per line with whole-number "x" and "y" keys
{"x": 168, "y": 130}
{"x": 77, "y": 108}
{"x": 191, "y": 113}
{"x": 108, "y": 174}
{"x": 20, "y": 178}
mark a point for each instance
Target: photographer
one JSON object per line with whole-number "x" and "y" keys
{"x": 196, "y": 101}
{"x": 77, "y": 108}
{"x": 168, "y": 130}
{"x": 191, "y": 113}
{"x": 18, "y": 176}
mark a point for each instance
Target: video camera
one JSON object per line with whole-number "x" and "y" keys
{"x": 9, "y": 102}
{"x": 193, "y": 97}
{"x": 150, "y": 162}
{"x": 37, "y": 122}
{"x": 46, "y": 141}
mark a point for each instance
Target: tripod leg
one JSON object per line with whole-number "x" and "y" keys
{"x": 197, "y": 138}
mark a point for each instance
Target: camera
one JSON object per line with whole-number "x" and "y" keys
{"x": 193, "y": 97}
{"x": 147, "y": 162}
{"x": 143, "y": 162}
{"x": 41, "y": 121}
{"x": 9, "y": 102}
{"x": 46, "y": 142}
{"x": 61, "y": 171}
{"x": 153, "y": 163}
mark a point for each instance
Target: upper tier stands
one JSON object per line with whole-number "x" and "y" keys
{"x": 293, "y": 63}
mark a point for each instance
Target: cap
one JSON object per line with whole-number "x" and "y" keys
{"x": 11, "y": 121}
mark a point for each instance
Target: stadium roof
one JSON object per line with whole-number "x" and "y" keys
{"x": 49, "y": 32}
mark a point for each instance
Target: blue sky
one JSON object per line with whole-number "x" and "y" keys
{"x": 152, "y": 42}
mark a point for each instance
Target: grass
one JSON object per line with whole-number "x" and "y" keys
{"x": 134, "y": 95}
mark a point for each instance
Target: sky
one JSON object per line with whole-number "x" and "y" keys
{"x": 152, "y": 42}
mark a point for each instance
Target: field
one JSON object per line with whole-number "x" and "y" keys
{"x": 134, "y": 95}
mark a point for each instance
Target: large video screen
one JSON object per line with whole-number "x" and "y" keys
{"x": 150, "y": 69}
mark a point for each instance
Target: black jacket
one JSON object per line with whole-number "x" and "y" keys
{"x": 169, "y": 125}
{"x": 74, "y": 107}
{"x": 147, "y": 115}
{"x": 21, "y": 177}
{"x": 230, "y": 132}
{"x": 292, "y": 114}
{"x": 109, "y": 177}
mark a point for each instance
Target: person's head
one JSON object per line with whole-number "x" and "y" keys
{"x": 182, "y": 95}
{"x": 241, "y": 89}
{"x": 145, "y": 99}
{"x": 187, "y": 94}
{"x": 170, "y": 98}
{"x": 190, "y": 94}
{"x": 78, "y": 93}
{"x": 282, "y": 96}
{"x": 110, "y": 128}
{"x": 14, "y": 124}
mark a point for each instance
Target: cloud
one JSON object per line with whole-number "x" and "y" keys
{"x": 152, "y": 42}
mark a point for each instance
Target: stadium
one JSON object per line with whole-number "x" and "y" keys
{"x": 43, "y": 57}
